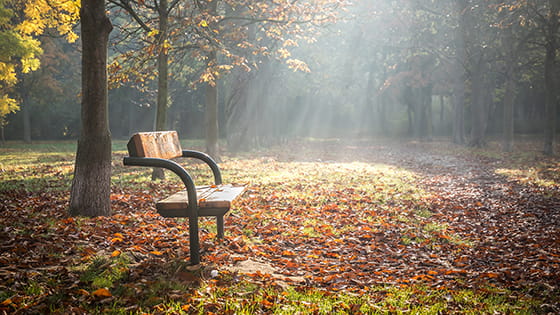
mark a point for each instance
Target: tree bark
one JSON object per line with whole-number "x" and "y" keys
{"x": 458, "y": 133}
{"x": 478, "y": 111}
{"x": 212, "y": 147}
{"x": 163, "y": 69}
{"x": 212, "y": 128}
{"x": 237, "y": 112}
{"x": 508, "y": 113}
{"x": 26, "y": 116}
{"x": 160, "y": 122}
{"x": 550, "y": 77}
{"x": 23, "y": 87}
{"x": 91, "y": 186}
{"x": 511, "y": 59}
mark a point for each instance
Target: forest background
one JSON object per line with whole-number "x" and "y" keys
{"x": 354, "y": 69}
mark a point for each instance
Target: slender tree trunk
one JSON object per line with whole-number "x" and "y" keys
{"x": 212, "y": 147}
{"x": 478, "y": 112}
{"x": 442, "y": 108}
{"x": 459, "y": 112}
{"x": 163, "y": 71}
{"x": 236, "y": 120}
{"x": 212, "y": 128}
{"x": 2, "y": 136}
{"x": 91, "y": 186}
{"x": 511, "y": 56}
{"x": 429, "y": 113}
{"x": 550, "y": 78}
{"x": 26, "y": 116}
{"x": 508, "y": 113}
{"x": 23, "y": 91}
{"x": 367, "y": 121}
{"x": 163, "y": 74}
{"x": 460, "y": 73}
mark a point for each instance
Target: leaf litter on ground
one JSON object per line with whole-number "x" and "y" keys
{"x": 332, "y": 216}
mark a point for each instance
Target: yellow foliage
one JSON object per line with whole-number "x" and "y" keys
{"x": 60, "y": 15}
{"x": 25, "y": 49}
{"x": 7, "y": 105}
{"x": 30, "y": 64}
{"x": 7, "y": 74}
{"x": 153, "y": 32}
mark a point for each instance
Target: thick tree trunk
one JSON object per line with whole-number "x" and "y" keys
{"x": 163, "y": 75}
{"x": 91, "y": 186}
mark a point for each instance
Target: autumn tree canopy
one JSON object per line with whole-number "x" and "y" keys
{"x": 21, "y": 24}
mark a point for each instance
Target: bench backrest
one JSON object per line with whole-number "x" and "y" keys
{"x": 157, "y": 144}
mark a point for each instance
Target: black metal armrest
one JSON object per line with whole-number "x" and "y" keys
{"x": 208, "y": 160}
{"x": 175, "y": 168}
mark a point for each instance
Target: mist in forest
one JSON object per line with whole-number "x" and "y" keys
{"x": 400, "y": 69}
{"x": 415, "y": 69}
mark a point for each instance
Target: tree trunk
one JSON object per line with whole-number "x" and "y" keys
{"x": 459, "y": 112}
{"x": 429, "y": 131}
{"x": 91, "y": 186}
{"x": 236, "y": 110}
{"x": 212, "y": 113}
{"x": 163, "y": 74}
{"x": 23, "y": 88}
{"x": 460, "y": 74}
{"x": 26, "y": 116}
{"x": 508, "y": 113}
{"x": 478, "y": 112}
{"x": 212, "y": 131}
{"x": 2, "y": 136}
{"x": 550, "y": 78}
{"x": 441, "y": 109}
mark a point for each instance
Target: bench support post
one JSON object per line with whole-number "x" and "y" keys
{"x": 220, "y": 226}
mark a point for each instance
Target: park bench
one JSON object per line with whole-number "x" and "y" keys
{"x": 157, "y": 149}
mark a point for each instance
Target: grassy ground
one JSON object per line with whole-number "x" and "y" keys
{"x": 363, "y": 227}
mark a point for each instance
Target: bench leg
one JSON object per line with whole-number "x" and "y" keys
{"x": 220, "y": 226}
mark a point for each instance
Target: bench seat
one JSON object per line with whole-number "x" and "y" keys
{"x": 214, "y": 200}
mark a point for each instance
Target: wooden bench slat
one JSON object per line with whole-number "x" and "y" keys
{"x": 161, "y": 144}
{"x": 217, "y": 198}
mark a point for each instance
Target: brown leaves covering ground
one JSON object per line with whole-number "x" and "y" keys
{"x": 335, "y": 215}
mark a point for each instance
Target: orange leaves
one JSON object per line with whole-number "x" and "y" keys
{"x": 101, "y": 293}
{"x": 288, "y": 253}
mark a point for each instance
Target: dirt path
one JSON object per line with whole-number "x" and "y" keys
{"x": 514, "y": 228}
